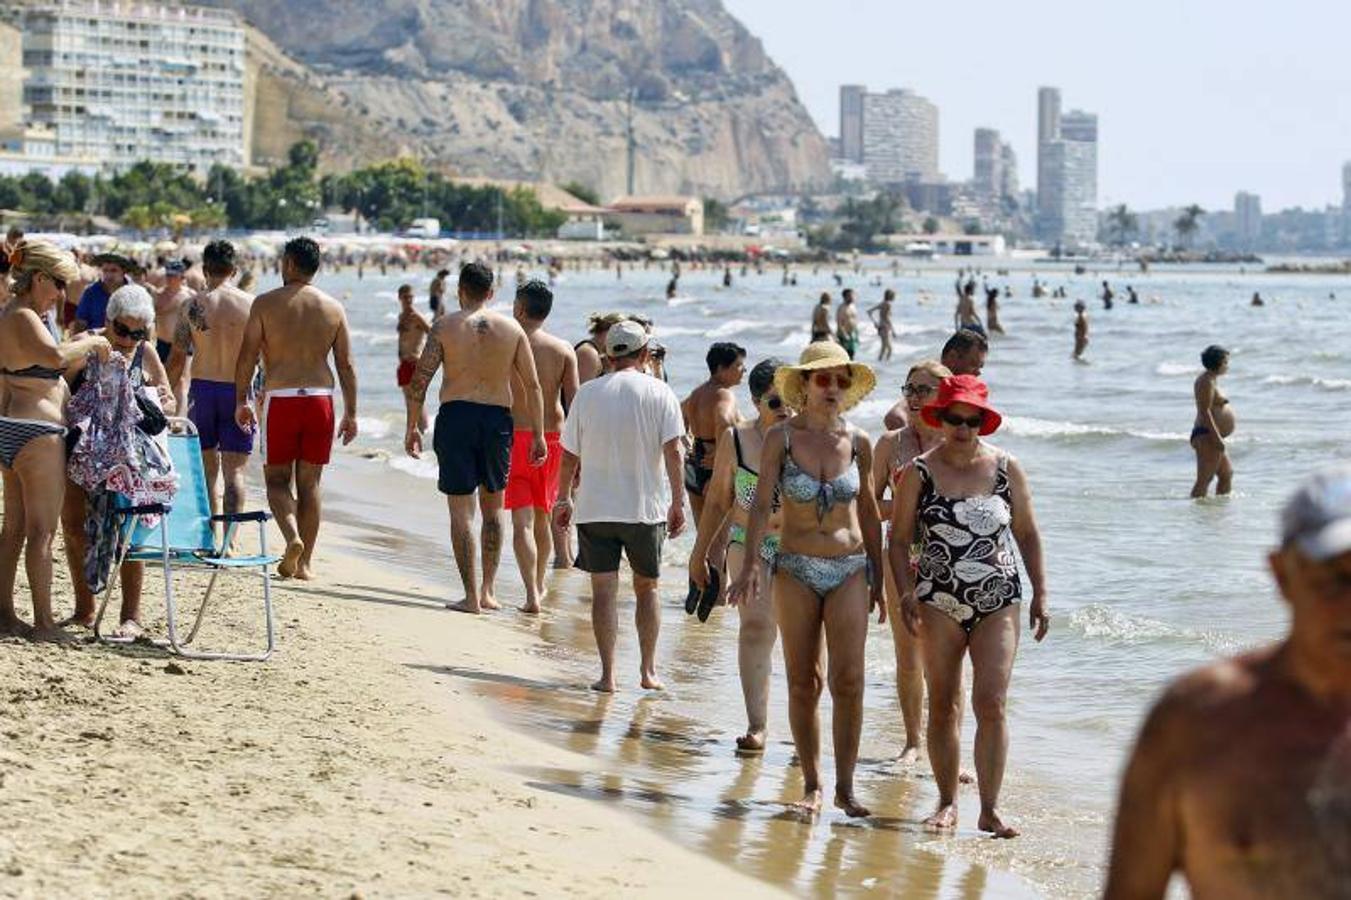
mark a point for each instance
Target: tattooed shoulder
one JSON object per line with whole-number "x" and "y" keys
{"x": 197, "y": 314}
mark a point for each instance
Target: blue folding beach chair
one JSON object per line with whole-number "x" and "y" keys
{"x": 184, "y": 538}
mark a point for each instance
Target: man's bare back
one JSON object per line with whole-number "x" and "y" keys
{"x": 477, "y": 350}
{"x": 300, "y": 325}
{"x": 556, "y": 366}
{"x": 709, "y": 410}
{"x": 211, "y": 327}
{"x": 1254, "y": 802}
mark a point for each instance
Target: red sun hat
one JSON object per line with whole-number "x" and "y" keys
{"x": 966, "y": 389}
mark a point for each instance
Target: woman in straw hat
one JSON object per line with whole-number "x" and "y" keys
{"x": 821, "y": 467}
{"x": 33, "y": 399}
{"x": 963, "y": 501}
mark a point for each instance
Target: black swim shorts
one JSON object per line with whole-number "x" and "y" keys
{"x": 599, "y": 545}
{"x": 473, "y": 447}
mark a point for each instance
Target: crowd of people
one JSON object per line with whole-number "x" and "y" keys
{"x": 802, "y": 523}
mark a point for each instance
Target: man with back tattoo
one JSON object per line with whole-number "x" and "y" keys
{"x": 479, "y": 353}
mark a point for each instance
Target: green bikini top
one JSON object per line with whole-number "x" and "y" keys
{"x": 747, "y": 479}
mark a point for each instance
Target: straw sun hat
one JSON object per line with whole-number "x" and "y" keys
{"x": 791, "y": 381}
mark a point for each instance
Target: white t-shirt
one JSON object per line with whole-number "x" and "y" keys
{"x": 618, "y": 425}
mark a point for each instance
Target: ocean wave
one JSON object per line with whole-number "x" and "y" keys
{"x": 1174, "y": 370}
{"x": 1027, "y": 426}
{"x": 373, "y": 428}
{"x": 681, "y": 300}
{"x": 1326, "y": 384}
{"x": 418, "y": 468}
{"x": 666, "y": 331}
{"x": 1112, "y": 626}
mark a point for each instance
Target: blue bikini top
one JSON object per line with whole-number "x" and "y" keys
{"x": 801, "y": 486}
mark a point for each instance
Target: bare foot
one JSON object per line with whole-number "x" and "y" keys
{"x": 464, "y": 606}
{"x": 291, "y": 558}
{"x": 965, "y": 777}
{"x": 752, "y": 742}
{"x": 53, "y": 634}
{"x": 560, "y": 563}
{"x": 909, "y": 756}
{"x": 604, "y": 685}
{"x": 652, "y": 683}
{"x": 530, "y": 609}
{"x": 991, "y": 822}
{"x": 852, "y": 808}
{"x": 78, "y": 621}
{"x": 129, "y": 630}
{"x": 943, "y": 819}
{"x": 487, "y": 601}
{"x": 17, "y": 627}
{"x": 810, "y": 804}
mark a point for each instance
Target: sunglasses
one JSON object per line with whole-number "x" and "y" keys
{"x": 917, "y": 390}
{"x": 956, "y": 421}
{"x": 774, "y": 402}
{"x": 825, "y": 380}
{"x": 138, "y": 334}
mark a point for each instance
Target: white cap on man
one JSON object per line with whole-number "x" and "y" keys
{"x": 1317, "y": 519}
{"x": 625, "y": 338}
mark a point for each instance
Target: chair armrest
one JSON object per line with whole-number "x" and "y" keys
{"x": 257, "y": 516}
{"x": 144, "y": 509}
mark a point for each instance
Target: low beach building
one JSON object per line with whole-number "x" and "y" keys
{"x": 637, "y": 216}
{"x": 949, "y": 244}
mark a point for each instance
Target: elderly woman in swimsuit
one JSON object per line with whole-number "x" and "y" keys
{"x": 963, "y": 501}
{"x": 895, "y": 450}
{"x": 32, "y": 427}
{"x": 130, "y": 329}
{"x": 729, "y": 495}
{"x": 821, "y": 468}
{"x": 1214, "y": 422}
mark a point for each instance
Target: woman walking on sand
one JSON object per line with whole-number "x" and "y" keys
{"x": 825, "y": 574}
{"x": 895, "y": 451}
{"x": 962, "y": 502}
{"x": 1214, "y": 422}
{"x": 730, "y": 493}
{"x": 33, "y": 398}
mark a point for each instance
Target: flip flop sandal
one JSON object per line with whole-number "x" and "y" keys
{"x": 710, "y": 596}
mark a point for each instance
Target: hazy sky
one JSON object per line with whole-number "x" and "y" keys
{"x": 1196, "y": 99}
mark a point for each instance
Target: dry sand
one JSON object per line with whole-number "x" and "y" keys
{"x": 347, "y": 766}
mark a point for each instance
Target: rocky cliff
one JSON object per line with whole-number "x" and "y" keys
{"x": 534, "y": 89}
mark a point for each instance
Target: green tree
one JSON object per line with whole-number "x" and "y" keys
{"x": 582, "y": 192}
{"x": 931, "y": 225}
{"x": 715, "y": 215}
{"x": 1187, "y": 224}
{"x": 1122, "y": 224}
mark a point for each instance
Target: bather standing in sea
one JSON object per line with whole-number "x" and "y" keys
{"x": 1214, "y": 423}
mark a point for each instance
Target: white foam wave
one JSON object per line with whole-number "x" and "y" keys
{"x": 387, "y": 295}
{"x": 681, "y": 300}
{"x": 1174, "y": 370}
{"x": 373, "y": 428}
{"x": 1326, "y": 384}
{"x": 1116, "y": 627}
{"x": 418, "y": 468}
{"x": 664, "y": 331}
{"x": 1027, "y": 426}
{"x": 738, "y": 326}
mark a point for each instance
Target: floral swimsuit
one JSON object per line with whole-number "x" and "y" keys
{"x": 966, "y": 566}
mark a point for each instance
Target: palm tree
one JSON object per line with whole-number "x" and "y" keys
{"x": 1186, "y": 224}
{"x": 1121, "y": 224}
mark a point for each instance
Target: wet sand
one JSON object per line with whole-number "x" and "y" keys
{"x": 358, "y": 762}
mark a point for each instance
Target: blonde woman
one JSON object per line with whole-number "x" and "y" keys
{"x": 33, "y": 399}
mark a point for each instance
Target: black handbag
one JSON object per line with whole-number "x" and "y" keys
{"x": 153, "y": 420}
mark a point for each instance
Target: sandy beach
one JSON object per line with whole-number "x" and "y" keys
{"x": 352, "y": 764}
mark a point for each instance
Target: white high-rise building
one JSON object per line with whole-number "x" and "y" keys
{"x": 900, "y": 137}
{"x": 851, "y": 122}
{"x": 1067, "y": 171}
{"x": 129, "y": 81}
{"x": 1247, "y": 219}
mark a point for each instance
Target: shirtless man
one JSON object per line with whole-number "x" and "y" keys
{"x": 211, "y": 331}
{"x": 964, "y": 353}
{"x": 480, "y": 352}
{"x": 821, "y": 319}
{"x": 881, "y": 319}
{"x": 709, "y": 410}
{"x": 532, "y": 490}
{"x": 437, "y": 293}
{"x": 296, "y": 327}
{"x": 1241, "y": 777}
{"x": 965, "y": 315}
{"x": 1080, "y": 329}
{"x": 846, "y": 323}
{"x": 170, "y": 298}
{"x": 413, "y": 331}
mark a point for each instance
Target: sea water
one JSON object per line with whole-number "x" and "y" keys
{"x": 1143, "y": 583}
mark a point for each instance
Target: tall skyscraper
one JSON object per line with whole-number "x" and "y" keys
{"x": 1247, "y": 219}
{"x": 900, "y": 137}
{"x": 122, "y": 82}
{"x": 851, "y": 122}
{"x": 1067, "y": 171}
{"x": 1346, "y": 202}
{"x": 988, "y": 177}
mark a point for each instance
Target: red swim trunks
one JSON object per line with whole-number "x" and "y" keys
{"x": 533, "y": 486}
{"x": 297, "y": 425}
{"x": 406, "y": 369}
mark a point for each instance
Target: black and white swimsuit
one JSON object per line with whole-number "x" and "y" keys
{"x": 966, "y": 563}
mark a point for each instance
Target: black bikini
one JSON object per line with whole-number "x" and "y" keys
{"x": 15, "y": 434}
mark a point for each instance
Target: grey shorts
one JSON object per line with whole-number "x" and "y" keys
{"x": 600, "y": 543}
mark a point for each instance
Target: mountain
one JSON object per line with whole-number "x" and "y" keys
{"x": 536, "y": 89}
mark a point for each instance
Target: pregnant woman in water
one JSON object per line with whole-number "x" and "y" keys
{"x": 1214, "y": 422}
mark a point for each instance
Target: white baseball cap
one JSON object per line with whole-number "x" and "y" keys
{"x": 1317, "y": 519}
{"x": 625, "y": 338}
